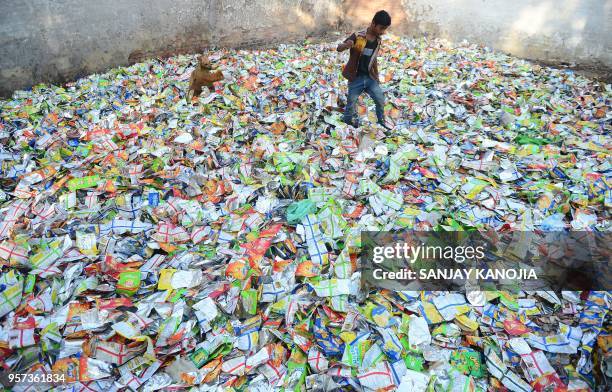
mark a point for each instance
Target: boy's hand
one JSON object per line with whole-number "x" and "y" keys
{"x": 345, "y": 45}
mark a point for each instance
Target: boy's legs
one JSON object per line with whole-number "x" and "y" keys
{"x": 373, "y": 89}
{"x": 355, "y": 88}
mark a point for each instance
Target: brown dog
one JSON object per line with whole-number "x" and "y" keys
{"x": 202, "y": 76}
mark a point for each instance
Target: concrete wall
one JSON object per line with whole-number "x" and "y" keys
{"x": 553, "y": 31}
{"x": 59, "y": 40}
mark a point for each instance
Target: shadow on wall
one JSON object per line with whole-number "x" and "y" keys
{"x": 359, "y": 13}
{"x": 42, "y": 41}
{"x": 243, "y": 24}
{"x": 566, "y": 32}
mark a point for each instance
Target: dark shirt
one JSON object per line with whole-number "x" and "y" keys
{"x": 364, "y": 60}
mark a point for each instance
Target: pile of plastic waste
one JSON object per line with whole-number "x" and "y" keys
{"x": 150, "y": 243}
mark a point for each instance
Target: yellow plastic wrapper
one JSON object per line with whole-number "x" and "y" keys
{"x": 165, "y": 278}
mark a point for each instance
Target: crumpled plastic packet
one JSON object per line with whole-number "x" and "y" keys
{"x": 149, "y": 243}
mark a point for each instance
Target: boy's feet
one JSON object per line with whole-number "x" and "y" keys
{"x": 354, "y": 123}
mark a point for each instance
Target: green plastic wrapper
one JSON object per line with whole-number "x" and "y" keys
{"x": 531, "y": 140}
{"x": 128, "y": 283}
{"x": 298, "y": 210}
{"x": 201, "y": 356}
{"x": 29, "y": 284}
{"x": 468, "y": 362}
{"x": 249, "y": 301}
{"x": 177, "y": 294}
{"x": 297, "y": 363}
{"x": 83, "y": 182}
{"x": 414, "y": 362}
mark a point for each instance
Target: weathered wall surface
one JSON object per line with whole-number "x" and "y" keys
{"x": 55, "y": 41}
{"x": 555, "y": 31}
{"x": 59, "y": 40}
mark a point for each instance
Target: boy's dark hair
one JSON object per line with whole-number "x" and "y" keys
{"x": 382, "y": 18}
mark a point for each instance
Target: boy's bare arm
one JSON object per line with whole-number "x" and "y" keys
{"x": 345, "y": 45}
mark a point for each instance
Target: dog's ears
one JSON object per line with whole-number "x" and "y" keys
{"x": 203, "y": 60}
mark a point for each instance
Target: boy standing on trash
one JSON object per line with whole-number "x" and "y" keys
{"x": 361, "y": 70}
